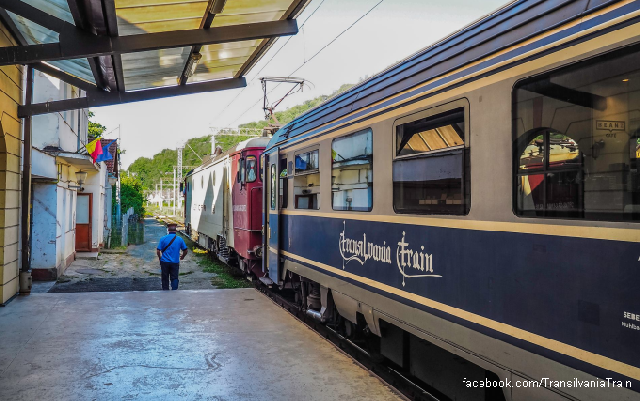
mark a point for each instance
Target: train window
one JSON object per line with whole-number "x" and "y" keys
{"x": 576, "y": 141}
{"x": 251, "y": 169}
{"x": 273, "y": 187}
{"x": 241, "y": 170}
{"x": 430, "y": 172}
{"x": 284, "y": 183}
{"x": 306, "y": 181}
{"x": 261, "y": 161}
{"x": 352, "y": 172}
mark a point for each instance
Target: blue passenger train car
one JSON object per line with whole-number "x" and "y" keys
{"x": 473, "y": 210}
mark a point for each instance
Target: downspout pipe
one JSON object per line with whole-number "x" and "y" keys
{"x": 25, "y": 218}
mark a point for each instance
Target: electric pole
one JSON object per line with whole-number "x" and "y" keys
{"x": 179, "y": 174}
{"x": 175, "y": 192}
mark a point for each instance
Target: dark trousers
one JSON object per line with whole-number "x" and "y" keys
{"x": 169, "y": 269}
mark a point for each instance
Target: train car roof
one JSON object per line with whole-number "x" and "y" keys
{"x": 503, "y": 29}
{"x": 258, "y": 142}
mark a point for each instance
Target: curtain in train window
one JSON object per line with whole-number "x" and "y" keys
{"x": 430, "y": 173}
{"x": 577, "y": 141}
{"x": 306, "y": 180}
{"x": 273, "y": 187}
{"x": 352, "y": 172}
{"x": 251, "y": 168}
{"x": 284, "y": 184}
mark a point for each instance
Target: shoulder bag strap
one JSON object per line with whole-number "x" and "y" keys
{"x": 169, "y": 244}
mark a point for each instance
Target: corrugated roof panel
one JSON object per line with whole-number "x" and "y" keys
{"x": 249, "y": 11}
{"x": 57, "y": 8}
{"x": 216, "y": 73}
{"x": 36, "y": 34}
{"x": 227, "y": 54}
{"x": 226, "y": 20}
{"x": 218, "y": 61}
{"x": 155, "y": 68}
{"x": 33, "y": 33}
{"x": 78, "y": 67}
{"x": 135, "y": 17}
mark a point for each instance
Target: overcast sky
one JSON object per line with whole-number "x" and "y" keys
{"x": 391, "y": 32}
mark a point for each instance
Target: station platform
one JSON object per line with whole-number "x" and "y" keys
{"x": 191, "y": 345}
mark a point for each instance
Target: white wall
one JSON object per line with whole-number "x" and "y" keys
{"x": 66, "y": 239}
{"x": 63, "y": 129}
{"x": 44, "y": 233}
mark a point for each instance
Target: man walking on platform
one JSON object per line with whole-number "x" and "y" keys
{"x": 168, "y": 252}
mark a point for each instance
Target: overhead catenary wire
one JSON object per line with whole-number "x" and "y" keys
{"x": 312, "y": 57}
{"x": 268, "y": 62}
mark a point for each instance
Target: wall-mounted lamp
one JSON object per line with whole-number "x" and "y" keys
{"x": 113, "y": 180}
{"x": 81, "y": 176}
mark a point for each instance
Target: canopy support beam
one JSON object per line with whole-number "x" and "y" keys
{"x": 64, "y": 77}
{"x": 35, "y": 15}
{"x": 76, "y": 44}
{"x": 98, "y": 99}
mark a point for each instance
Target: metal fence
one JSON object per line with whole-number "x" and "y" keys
{"x": 135, "y": 230}
{"x": 126, "y": 230}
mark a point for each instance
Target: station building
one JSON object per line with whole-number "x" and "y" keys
{"x": 66, "y": 218}
{"x": 11, "y": 96}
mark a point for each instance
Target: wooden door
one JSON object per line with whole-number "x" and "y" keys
{"x": 83, "y": 222}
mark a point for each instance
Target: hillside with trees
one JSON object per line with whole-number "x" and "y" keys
{"x": 150, "y": 170}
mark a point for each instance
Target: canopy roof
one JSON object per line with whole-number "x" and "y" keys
{"x": 125, "y": 50}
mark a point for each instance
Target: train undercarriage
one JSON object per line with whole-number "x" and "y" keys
{"x": 414, "y": 366}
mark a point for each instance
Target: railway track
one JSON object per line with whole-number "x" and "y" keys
{"x": 393, "y": 378}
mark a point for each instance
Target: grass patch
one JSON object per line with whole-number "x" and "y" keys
{"x": 226, "y": 277}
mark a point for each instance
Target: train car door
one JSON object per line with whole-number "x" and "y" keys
{"x": 273, "y": 217}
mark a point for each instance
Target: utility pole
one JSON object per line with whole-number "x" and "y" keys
{"x": 161, "y": 194}
{"x": 175, "y": 193}
{"x": 179, "y": 174}
{"x": 118, "y": 189}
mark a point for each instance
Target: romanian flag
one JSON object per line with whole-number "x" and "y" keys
{"x": 94, "y": 148}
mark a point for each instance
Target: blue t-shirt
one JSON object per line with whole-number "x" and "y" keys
{"x": 172, "y": 254}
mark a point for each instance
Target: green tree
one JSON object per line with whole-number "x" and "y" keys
{"x": 131, "y": 194}
{"x": 95, "y": 129}
{"x": 288, "y": 115}
{"x": 151, "y": 170}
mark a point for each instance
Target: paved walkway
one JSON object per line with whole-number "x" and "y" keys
{"x": 188, "y": 345}
{"x": 137, "y": 269}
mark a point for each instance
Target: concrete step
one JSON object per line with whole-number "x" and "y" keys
{"x": 87, "y": 255}
{"x": 266, "y": 281}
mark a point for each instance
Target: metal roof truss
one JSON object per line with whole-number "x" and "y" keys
{"x": 93, "y": 36}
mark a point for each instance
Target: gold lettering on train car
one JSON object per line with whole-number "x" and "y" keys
{"x": 362, "y": 250}
{"x": 420, "y": 261}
